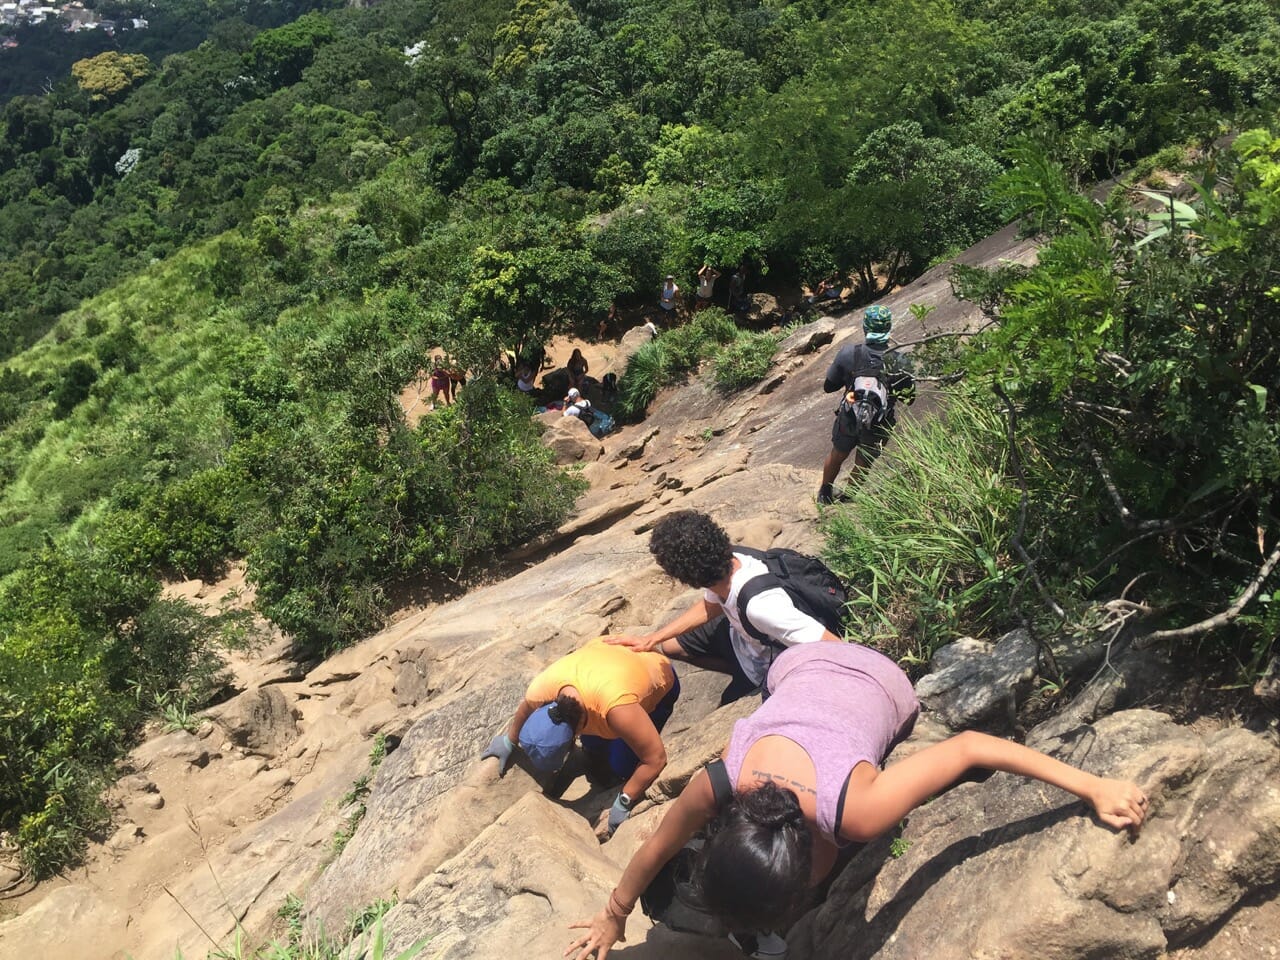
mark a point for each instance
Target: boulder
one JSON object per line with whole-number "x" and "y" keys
{"x": 66, "y": 923}
{"x": 570, "y": 440}
{"x": 429, "y": 799}
{"x": 805, "y": 340}
{"x": 516, "y": 888}
{"x": 1014, "y": 868}
{"x": 177, "y": 745}
{"x": 976, "y": 683}
{"x": 260, "y": 721}
{"x": 632, "y": 340}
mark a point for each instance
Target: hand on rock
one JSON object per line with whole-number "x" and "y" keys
{"x": 502, "y": 748}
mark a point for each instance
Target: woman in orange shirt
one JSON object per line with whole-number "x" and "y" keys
{"x": 615, "y": 699}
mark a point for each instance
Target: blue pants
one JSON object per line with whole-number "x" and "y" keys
{"x": 622, "y": 759}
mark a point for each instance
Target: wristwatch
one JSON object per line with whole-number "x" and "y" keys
{"x": 624, "y": 801}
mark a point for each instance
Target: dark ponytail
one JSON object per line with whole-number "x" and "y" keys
{"x": 753, "y": 873}
{"x": 565, "y": 709}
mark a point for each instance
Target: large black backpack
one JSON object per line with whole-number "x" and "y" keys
{"x": 670, "y": 898}
{"x": 810, "y": 584}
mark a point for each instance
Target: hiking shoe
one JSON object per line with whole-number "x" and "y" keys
{"x": 760, "y": 946}
{"x": 826, "y": 494}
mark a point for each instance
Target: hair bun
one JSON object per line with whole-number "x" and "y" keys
{"x": 772, "y": 806}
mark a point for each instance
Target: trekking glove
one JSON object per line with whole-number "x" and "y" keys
{"x": 502, "y": 748}
{"x": 620, "y": 810}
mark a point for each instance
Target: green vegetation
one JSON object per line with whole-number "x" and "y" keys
{"x": 924, "y": 548}
{"x": 1128, "y": 446}
{"x": 739, "y": 358}
{"x": 355, "y": 797}
{"x": 365, "y": 939}
{"x": 223, "y": 262}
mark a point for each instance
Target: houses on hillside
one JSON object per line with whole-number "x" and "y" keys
{"x": 75, "y": 16}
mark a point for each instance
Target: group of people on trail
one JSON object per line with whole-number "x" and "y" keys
{"x": 735, "y": 300}
{"x": 801, "y": 777}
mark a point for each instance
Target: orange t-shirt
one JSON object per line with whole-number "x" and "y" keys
{"x": 606, "y": 676}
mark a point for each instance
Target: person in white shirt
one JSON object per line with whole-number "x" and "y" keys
{"x": 694, "y": 549}
{"x": 668, "y": 295}
{"x": 576, "y": 405}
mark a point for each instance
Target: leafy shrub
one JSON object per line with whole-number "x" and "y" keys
{"x": 745, "y": 361}
{"x": 77, "y": 380}
{"x": 640, "y": 382}
{"x": 924, "y": 545}
{"x": 740, "y": 358}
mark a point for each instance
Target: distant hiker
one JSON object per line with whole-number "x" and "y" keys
{"x": 525, "y": 378}
{"x": 738, "y": 302}
{"x": 752, "y": 607}
{"x": 802, "y": 775}
{"x": 616, "y": 701}
{"x": 668, "y": 295}
{"x": 441, "y": 385}
{"x": 457, "y": 380}
{"x": 577, "y": 367}
{"x": 610, "y": 321}
{"x": 576, "y": 405}
{"x": 870, "y": 389}
{"x": 707, "y": 276}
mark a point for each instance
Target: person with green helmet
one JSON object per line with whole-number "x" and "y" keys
{"x": 869, "y": 390}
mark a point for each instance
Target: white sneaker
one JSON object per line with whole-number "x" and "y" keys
{"x": 760, "y": 946}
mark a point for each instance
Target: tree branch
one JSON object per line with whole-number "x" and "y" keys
{"x": 1221, "y": 619}
{"x": 1126, "y": 517}
{"x": 950, "y": 334}
{"x": 1102, "y": 409}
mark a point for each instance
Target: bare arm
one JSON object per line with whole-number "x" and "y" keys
{"x": 517, "y": 722}
{"x": 701, "y": 612}
{"x": 876, "y": 801}
{"x": 692, "y": 810}
{"x": 635, "y": 727}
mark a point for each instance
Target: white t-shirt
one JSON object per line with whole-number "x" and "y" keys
{"x": 771, "y": 612}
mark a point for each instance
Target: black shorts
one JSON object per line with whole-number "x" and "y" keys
{"x": 845, "y": 440}
{"x": 709, "y": 647}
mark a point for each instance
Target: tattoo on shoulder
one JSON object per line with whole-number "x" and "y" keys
{"x": 764, "y": 776}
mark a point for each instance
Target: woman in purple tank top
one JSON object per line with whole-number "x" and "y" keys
{"x": 805, "y": 772}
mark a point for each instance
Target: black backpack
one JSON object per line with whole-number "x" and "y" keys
{"x": 810, "y": 584}
{"x": 670, "y": 899}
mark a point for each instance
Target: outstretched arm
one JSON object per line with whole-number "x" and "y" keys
{"x": 701, "y": 612}
{"x": 692, "y": 811}
{"x": 876, "y": 800}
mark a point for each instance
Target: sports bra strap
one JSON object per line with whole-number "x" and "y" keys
{"x": 721, "y": 788}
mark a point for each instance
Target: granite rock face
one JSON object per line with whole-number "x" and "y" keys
{"x": 1013, "y": 868}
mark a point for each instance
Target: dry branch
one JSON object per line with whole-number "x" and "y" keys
{"x": 1220, "y": 619}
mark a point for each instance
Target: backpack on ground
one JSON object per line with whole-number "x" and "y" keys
{"x": 601, "y": 425}
{"x": 809, "y": 582}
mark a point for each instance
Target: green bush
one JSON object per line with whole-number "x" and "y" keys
{"x": 640, "y": 382}
{"x": 745, "y": 361}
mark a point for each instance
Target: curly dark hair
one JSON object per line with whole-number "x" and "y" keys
{"x": 753, "y": 873}
{"x": 692, "y": 547}
{"x": 566, "y": 709}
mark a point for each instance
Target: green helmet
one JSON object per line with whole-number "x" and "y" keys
{"x": 877, "y": 321}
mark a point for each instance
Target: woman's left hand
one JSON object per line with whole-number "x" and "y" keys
{"x": 1120, "y": 803}
{"x": 603, "y": 930}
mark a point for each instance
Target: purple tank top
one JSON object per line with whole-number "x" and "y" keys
{"x": 842, "y": 703}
